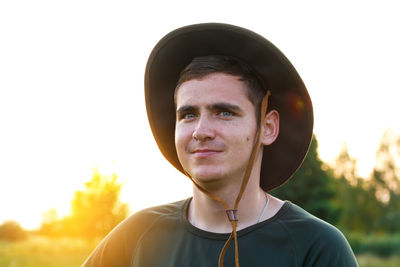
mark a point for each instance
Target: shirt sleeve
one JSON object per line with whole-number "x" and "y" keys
{"x": 111, "y": 251}
{"x": 331, "y": 249}
{"x": 118, "y": 247}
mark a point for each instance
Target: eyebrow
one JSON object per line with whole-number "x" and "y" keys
{"x": 216, "y": 106}
{"x": 224, "y": 106}
{"x": 186, "y": 108}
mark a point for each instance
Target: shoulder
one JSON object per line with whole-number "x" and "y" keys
{"x": 139, "y": 222}
{"x": 316, "y": 242}
{"x": 144, "y": 218}
{"x": 117, "y": 247}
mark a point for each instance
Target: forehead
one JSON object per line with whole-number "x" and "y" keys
{"x": 213, "y": 87}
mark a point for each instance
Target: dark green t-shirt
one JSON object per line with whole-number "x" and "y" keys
{"x": 162, "y": 236}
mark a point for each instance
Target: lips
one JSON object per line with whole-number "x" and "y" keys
{"x": 204, "y": 153}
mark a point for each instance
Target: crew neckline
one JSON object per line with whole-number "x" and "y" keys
{"x": 223, "y": 236}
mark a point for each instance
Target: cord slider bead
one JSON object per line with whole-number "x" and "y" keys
{"x": 232, "y": 215}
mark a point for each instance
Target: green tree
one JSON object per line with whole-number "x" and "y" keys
{"x": 386, "y": 177}
{"x": 345, "y": 167}
{"x": 370, "y": 205}
{"x": 353, "y": 196}
{"x": 312, "y": 187}
{"x": 384, "y": 183}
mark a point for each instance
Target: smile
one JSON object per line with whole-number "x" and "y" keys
{"x": 204, "y": 153}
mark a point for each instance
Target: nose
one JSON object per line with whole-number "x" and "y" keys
{"x": 204, "y": 130}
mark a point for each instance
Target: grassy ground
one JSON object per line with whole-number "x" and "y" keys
{"x": 66, "y": 252}
{"x": 45, "y": 252}
{"x": 373, "y": 261}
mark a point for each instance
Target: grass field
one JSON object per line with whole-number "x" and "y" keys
{"x": 66, "y": 252}
{"x": 45, "y": 252}
{"x": 373, "y": 261}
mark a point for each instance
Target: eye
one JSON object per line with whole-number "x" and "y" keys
{"x": 187, "y": 116}
{"x": 226, "y": 113}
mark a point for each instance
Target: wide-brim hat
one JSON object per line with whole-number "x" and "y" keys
{"x": 289, "y": 95}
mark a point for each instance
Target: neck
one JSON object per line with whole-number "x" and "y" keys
{"x": 208, "y": 214}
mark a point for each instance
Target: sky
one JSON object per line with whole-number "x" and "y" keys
{"x": 72, "y": 99}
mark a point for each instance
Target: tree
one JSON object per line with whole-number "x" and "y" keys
{"x": 12, "y": 231}
{"x": 385, "y": 181}
{"x": 346, "y": 167}
{"x": 312, "y": 187}
{"x": 386, "y": 177}
{"x": 51, "y": 224}
{"x": 370, "y": 205}
{"x": 97, "y": 209}
{"x": 94, "y": 211}
{"x": 354, "y": 196}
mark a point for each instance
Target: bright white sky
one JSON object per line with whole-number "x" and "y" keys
{"x": 71, "y": 88}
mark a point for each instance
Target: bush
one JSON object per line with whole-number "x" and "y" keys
{"x": 12, "y": 231}
{"x": 379, "y": 245}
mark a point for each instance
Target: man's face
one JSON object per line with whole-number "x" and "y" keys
{"x": 215, "y": 128}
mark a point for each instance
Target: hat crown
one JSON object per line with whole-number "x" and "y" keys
{"x": 289, "y": 94}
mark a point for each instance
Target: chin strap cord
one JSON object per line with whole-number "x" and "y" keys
{"x": 232, "y": 213}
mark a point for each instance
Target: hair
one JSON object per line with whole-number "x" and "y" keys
{"x": 200, "y": 67}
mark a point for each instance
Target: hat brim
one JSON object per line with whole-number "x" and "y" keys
{"x": 289, "y": 94}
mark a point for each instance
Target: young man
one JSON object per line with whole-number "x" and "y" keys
{"x": 229, "y": 110}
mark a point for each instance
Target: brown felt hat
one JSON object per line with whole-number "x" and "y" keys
{"x": 289, "y": 96}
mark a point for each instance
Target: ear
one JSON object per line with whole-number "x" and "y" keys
{"x": 270, "y": 128}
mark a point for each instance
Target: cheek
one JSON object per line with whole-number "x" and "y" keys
{"x": 182, "y": 136}
{"x": 179, "y": 146}
{"x": 178, "y": 140}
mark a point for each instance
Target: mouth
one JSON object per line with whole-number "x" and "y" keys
{"x": 205, "y": 153}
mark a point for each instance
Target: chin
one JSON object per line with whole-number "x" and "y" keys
{"x": 207, "y": 176}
